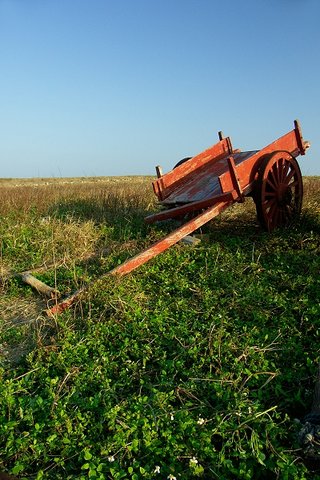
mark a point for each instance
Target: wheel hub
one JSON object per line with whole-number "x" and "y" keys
{"x": 284, "y": 195}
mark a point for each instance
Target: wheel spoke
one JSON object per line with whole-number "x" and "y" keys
{"x": 287, "y": 212}
{"x": 270, "y": 194}
{"x": 280, "y": 169}
{"x": 271, "y": 184}
{"x": 285, "y": 170}
{"x": 275, "y": 176}
{"x": 272, "y": 211}
{"x": 297, "y": 195}
{"x": 268, "y": 203}
{"x": 295, "y": 183}
{"x": 289, "y": 177}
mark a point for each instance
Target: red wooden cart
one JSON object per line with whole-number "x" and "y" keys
{"x": 200, "y": 188}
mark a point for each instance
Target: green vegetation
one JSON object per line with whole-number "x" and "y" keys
{"x": 194, "y": 366}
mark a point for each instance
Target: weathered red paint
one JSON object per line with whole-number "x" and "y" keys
{"x": 292, "y": 142}
{"x": 209, "y": 182}
{"x": 170, "y": 182}
{"x": 220, "y": 169}
{"x": 190, "y": 207}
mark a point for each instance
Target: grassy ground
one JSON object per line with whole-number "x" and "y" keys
{"x": 196, "y": 365}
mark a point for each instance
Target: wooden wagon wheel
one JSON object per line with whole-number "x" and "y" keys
{"x": 278, "y": 190}
{"x": 181, "y": 162}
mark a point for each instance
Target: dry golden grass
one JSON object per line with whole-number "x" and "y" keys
{"x": 113, "y": 193}
{"x": 23, "y": 195}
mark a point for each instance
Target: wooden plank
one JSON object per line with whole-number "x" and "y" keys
{"x": 38, "y": 285}
{"x": 168, "y": 182}
{"x": 247, "y": 170}
{"x": 189, "y": 207}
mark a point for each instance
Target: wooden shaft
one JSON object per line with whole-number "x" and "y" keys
{"x": 147, "y": 254}
{"x": 38, "y": 285}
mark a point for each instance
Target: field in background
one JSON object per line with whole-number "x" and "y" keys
{"x": 196, "y": 365}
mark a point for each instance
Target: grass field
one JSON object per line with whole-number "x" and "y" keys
{"x": 196, "y": 365}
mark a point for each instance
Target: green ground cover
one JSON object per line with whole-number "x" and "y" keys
{"x": 197, "y": 365}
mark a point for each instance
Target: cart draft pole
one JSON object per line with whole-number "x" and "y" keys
{"x": 150, "y": 252}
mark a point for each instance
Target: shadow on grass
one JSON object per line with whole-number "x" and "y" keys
{"x": 125, "y": 220}
{"x": 124, "y": 216}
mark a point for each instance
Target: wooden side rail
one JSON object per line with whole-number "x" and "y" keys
{"x": 191, "y": 207}
{"x": 291, "y": 142}
{"x": 167, "y": 183}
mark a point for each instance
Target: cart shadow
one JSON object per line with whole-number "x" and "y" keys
{"x": 124, "y": 220}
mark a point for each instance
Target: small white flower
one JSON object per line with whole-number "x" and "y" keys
{"x": 111, "y": 458}
{"x": 157, "y": 469}
{"x": 200, "y": 421}
{"x": 171, "y": 416}
{"x": 171, "y": 477}
{"x": 193, "y": 461}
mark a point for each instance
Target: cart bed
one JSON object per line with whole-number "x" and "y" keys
{"x": 203, "y": 183}
{"x": 220, "y": 170}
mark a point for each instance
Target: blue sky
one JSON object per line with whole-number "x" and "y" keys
{"x": 115, "y": 87}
